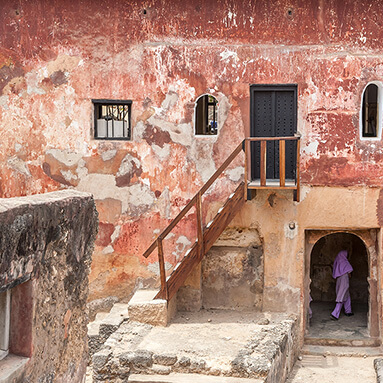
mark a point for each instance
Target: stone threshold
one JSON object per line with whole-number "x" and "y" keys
{"x": 188, "y": 378}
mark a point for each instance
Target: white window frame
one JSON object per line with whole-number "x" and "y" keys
{"x": 379, "y": 113}
{"x": 5, "y": 320}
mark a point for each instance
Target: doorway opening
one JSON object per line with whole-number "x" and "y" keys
{"x": 348, "y": 329}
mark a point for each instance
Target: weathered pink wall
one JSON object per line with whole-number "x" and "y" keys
{"x": 55, "y": 56}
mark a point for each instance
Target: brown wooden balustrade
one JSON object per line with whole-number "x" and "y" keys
{"x": 207, "y": 235}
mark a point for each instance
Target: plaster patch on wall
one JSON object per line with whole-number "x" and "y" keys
{"x": 68, "y": 175}
{"x": 312, "y": 149}
{"x": 127, "y": 165}
{"x": 108, "y": 250}
{"x": 201, "y": 153}
{"x": 116, "y": 233}
{"x": 291, "y": 230}
{"x": 155, "y": 268}
{"x": 235, "y": 174}
{"x": 103, "y": 186}
{"x": 162, "y": 153}
{"x": 170, "y": 101}
{"x": 109, "y": 154}
{"x": 226, "y": 55}
{"x": 66, "y": 157}
{"x": 179, "y": 133}
{"x": 19, "y": 165}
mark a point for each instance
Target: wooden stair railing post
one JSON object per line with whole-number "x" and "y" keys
{"x": 298, "y": 170}
{"x": 263, "y": 163}
{"x": 282, "y": 162}
{"x": 199, "y": 225}
{"x": 164, "y": 287}
{"x": 246, "y": 165}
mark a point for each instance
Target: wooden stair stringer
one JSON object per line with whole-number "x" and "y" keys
{"x": 231, "y": 207}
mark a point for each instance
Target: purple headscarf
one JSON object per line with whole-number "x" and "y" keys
{"x": 341, "y": 265}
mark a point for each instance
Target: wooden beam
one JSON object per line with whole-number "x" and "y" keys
{"x": 179, "y": 275}
{"x": 246, "y": 143}
{"x": 263, "y": 163}
{"x": 199, "y": 225}
{"x": 161, "y": 262}
{"x": 282, "y": 162}
{"x": 289, "y": 138}
{"x": 298, "y": 171}
{"x": 221, "y": 168}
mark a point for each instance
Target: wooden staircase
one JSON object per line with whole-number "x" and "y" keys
{"x": 206, "y": 236}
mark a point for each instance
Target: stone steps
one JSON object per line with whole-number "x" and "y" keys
{"x": 188, "y": 378}
{"x": 341, "y": 351}
{"x": 104, "y": 325}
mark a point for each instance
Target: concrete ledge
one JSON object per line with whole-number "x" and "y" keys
{"x": 144, "y": 308}
{"x": 12, "y": 368}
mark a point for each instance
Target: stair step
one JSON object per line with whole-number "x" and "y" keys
{"x": 187, "y": 378}
{"x": 309, "y": 349}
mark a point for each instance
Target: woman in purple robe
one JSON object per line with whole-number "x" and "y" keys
{"x": 341, "y": 270}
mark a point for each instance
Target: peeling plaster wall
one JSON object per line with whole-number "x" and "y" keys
{"x": 56, "y": 57}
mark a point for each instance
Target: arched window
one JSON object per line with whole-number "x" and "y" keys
{"x": 206, "y": 115}
{"x": 370, "y": 119}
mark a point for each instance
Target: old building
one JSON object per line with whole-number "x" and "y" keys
{"x": 140, "y": 102}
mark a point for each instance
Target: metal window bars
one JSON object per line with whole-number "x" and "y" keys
{"x": 112, "y": 119}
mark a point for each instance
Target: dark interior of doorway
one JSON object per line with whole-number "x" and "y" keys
{"x": 322, "y": 290}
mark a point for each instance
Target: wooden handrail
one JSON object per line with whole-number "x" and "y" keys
{"x": 193, "y": 201}
{"x": 196, "y": 201}
{"x": 289, "y": 138}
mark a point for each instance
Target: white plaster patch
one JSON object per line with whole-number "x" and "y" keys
{"x": 68, "y": 175}
{"x": 291, "y": 230}
{"x": 116, "y": 233}
{"x": 103, "y": 186}
{"x": 155, "y": 268}
{"x": 235, "y": 174}
{"x": 311, "y": 149}
{"x": 109, "y": 154}
{"x": 162, "y": 153}
{"x": 65, "y": 156}
{"x": 226, "y": 55}
{"x": 127, "y": 165}
{"x": 4, "y": 102}
{"x": 108, "y": 250}
{"x": 170, "y": 101}
{"x": 179, "y": 133}
{"x": 19, "y": 165}
{"x": 18, "y": 147}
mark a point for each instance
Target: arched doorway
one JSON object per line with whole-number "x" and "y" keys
{"x": 322, "y": 290}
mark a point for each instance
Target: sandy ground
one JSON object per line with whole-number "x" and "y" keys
{"x": 333, "y": 369}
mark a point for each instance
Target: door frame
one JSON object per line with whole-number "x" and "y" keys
{"x": 272, "y": 88}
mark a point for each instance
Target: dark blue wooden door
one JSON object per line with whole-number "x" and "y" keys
{"x": 273, "y": 114}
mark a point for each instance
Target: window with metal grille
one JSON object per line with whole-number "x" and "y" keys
{"x": 206, "y": 115}
{"x": 112, "y": 119}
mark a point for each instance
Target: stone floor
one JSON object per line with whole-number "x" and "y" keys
{"x": 345, "y": 329}
{"x": 212, "y": 342}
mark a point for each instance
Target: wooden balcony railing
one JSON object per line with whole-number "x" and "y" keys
{"x": 206, "y": 236}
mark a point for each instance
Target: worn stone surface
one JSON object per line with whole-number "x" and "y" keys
{"x": 47, "y": 240}
{"x": 232, "y": 277}
{"x": 214, "y": 342}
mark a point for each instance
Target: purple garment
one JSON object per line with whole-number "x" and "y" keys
{"x": 341, "y": 265}
{"x": 342, "y": 288}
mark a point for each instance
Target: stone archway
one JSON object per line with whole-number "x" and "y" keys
{"x": 321, "y": 248}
